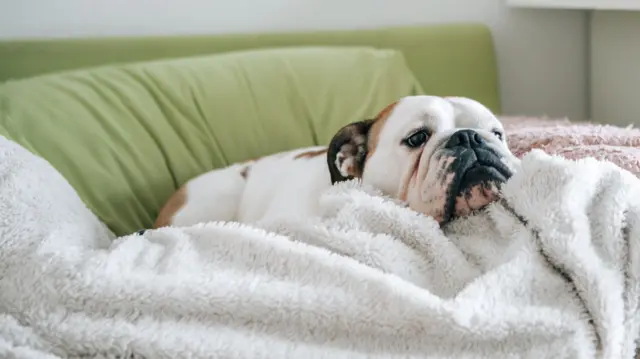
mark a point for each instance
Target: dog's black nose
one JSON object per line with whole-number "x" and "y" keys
{"x": 466, "y": 139}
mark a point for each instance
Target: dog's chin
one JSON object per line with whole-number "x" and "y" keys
{"x": 477, "y": 187}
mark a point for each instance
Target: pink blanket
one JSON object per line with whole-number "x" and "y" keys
{"x": 575, "y": 140}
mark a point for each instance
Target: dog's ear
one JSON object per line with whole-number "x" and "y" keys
{"x": 349, "y": 147}
{"x": 348, "y": 150}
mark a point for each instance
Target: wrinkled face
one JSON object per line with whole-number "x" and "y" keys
{"x": 445, "y": 157}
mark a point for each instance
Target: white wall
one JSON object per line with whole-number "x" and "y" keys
{"x": 615, "y": 67}
{"x": 542, "y": 53}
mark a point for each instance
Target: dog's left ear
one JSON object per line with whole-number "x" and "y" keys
{"x": 348, "y": 151}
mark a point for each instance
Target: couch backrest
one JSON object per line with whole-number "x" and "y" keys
{"x": 448, "y": 59}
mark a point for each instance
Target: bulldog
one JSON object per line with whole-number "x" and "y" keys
{"x": 442, "y": 156}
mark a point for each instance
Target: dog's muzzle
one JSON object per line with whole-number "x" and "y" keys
{"x": 478, "y": 173}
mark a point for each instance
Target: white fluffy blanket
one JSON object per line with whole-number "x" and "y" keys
{"x": 552, "y": 271}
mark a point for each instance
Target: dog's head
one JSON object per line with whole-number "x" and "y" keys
{"x": 445, "y": 157}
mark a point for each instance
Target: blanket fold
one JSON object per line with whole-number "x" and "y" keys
{"x": 550, "y": 271}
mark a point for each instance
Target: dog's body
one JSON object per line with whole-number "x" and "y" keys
{"x": 444, "y": 157}
{"x": 284, "y": 184}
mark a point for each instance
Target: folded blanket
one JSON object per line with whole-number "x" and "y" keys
{"x": 550, "y": 271}
{"x": 575, "y": 140}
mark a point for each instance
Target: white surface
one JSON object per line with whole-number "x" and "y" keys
{"x": 541, "y": 54}
{"x": 579, "y": 4}
{"x": 615, "y": 67}
{"x": 369, "y": 280}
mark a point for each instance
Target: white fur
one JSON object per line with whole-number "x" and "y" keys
{"x": 368, "y": 279}
{"x": 282, "y": 186}
{"x": 212, "y": 195}
{"x": 275, "y": 186}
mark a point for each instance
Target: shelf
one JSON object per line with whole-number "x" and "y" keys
{"x": 628, "y": 5}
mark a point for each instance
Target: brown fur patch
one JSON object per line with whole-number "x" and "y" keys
{"x": 245, "y": 172}
{"x": 246, "y": 169}
{"x": 376, "y": 128}
{"x": 256, "y": 159}
{"x": 247, "y": 162}
{"x": 173, "y": 205}
{"x": 311, "y": 154}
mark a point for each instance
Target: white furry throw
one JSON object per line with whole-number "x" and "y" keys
{"x": 552, "y": 271}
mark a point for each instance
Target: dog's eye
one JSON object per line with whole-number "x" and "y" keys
{"x": 417, "y": 139}
{"x": 498, "y": 134}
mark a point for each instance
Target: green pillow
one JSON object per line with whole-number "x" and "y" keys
{"x": 127, "y": 136}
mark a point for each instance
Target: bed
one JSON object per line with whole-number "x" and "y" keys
{"x": 97, "y": 133}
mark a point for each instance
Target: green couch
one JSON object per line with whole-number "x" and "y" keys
{"x": 127, "y": 121}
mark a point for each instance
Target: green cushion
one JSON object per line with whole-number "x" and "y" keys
{"x": 127, "y": 136}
